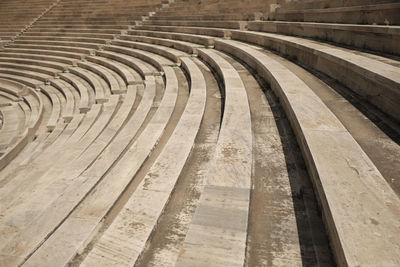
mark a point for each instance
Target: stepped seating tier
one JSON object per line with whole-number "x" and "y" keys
{"x": 378, "y": 86}
{"x": 225, "y": 197}
{"x": 35, "y": 106}
{"x": 376, "y": 38}
{"x": 382, "y": 14}
{"x": 318, "y": 4}
{"x": 168, "y": 164}
{"x": 310, "y": 131}
{"x": 199, "y": 132}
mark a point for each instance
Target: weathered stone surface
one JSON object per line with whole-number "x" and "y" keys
{"x": 119, "y": 147}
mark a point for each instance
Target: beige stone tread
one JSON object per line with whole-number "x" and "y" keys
{"x": 186, "y": 47}
{"x": 30, "y": 78}
{"x": 218, "y": 231}
{"x": 313, "y": 4}
{"x": 359, "y": 207}
{"x": 129, "y": 76}
{"x": 198, "y": 23}
{"x": 52, "y": 184}
{"x": 68, "y": 91}
{"x": 13, "y": 119}
{"x": 214, "y": 32}
{"x": 64, "y": 43}
{"x": 153, "y": 59}
{"x": 192, "y": 38}
{"x": 133, "y": 62}
{"x": 70, "y": 34}
{"x": 28, "y": 67}
{"x": 63, "y": 39}
{"x": 82, "y": 26}
{"x": 374, "y": 37}
{"x": 33, "y": 62}
{"x": 362, "y": 14}
{"x": 49, "y": 145}
{"x": 167, "y": 52}
{"x": 97, "y": 76}
{"x": 57, "y": 49}
{"x": 43, "y": 140}
{"x": 98, "y": 131}
{"x": 232, "y": 16}
{"x": 91, "y": 116}
{"x": 57, "y": 144}
{"x": 10, "y": 191}
{"x": 115, "y": 82}
{"x": 58, "y": 59}
{"x": 75, "y": 30}
{"x": 71, "y": 127}
{"x": 24, "y": 154}
{"x": 45, "y": 52}
{"x": 35, "y": 103}
{"x": 379, "y": 84}
{"x": 84, "y": 101}
{"x": 32, "y": 98}
{"x": 27, "y": 111}
{"x": 55, "y": 106}
{"x": 86, "y": 181}
{"x": 157, "y": 185}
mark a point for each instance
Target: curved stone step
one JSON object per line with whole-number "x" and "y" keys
{"x": 29, "y": 67}
{"x": 63, "y": 39}
{"x": 68, "y": 91}
{"x": 34, "y": 62}
{"x": 115, "y": 82}
{"x": 13, "y": 189}
{"x": 198, "y": 23}
{"x": 128, "y": 74}
{"x": 155, "y": 60}
{"x": 218, "y": 231}
{"x": 35, "y": 103}
{"x": 55, "y": 48}
{"x": 52, "y": 183}
{"x": 166, "y": 52}
{"x": 55, "y": 108}
{"x": 192, "y": 38}
{"x": 84, "y": 100}
{"x": 380, "y": 84}
{"x": 359, "y": 207}
{"x": 44, "y": 52}
{"x": 62, "y": 43}
{"x": 373, "y": 37}
{"x": 186, "y": 47}
{"x": 365, "y": 14}
{"x": 93, "y": 174}
{"x": 156, "y": 185}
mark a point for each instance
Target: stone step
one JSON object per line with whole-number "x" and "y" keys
{"x": 198, "y": 23}
{"x": 377, "y": 85}
{"x": 371, "y": 218}
{"x": 129, "y": 75}
{"x": 35, "y": 104}
{"x": 156, "y": 185}
{"x": 178, "y": 45}
{"x": 191, "y": 38}
{"x": 383, "y": 14}
{"x": 372, "y": 37}
{"x": 313, "y": 4}
{"x": 222, "y": 212}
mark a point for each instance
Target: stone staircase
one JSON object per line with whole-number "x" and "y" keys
{"x": 200, "y": 132}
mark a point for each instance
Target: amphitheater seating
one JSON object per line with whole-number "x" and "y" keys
{"x": 131, "y": 131}
{"x": 371, "y": 37}
{"x": 17, "y": 16}
{"x": 383, "y": 14}
{"x": 223, "y": 207}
